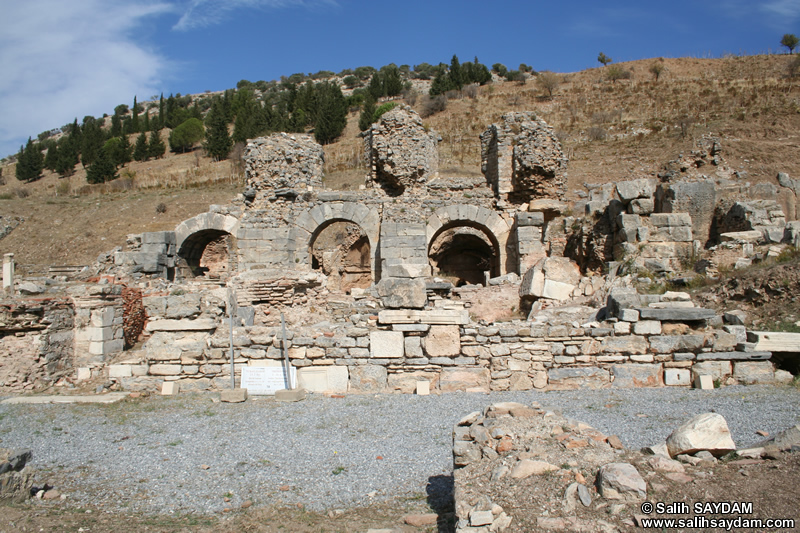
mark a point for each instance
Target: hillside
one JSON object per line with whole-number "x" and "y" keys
{"x": 610, "y": 130}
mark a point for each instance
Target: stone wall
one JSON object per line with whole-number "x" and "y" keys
{"x": 401, "y": 153}
{"x": 522, "y": 159}
{"x": 282, "y": 161}
{"x": 36, "y": 343}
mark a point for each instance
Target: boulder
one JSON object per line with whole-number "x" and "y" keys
{"x": 707, "y": 431}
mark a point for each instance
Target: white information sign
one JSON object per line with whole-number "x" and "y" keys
{"x": 266, "y": 379}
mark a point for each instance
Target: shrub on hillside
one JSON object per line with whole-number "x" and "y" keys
{"x": 433, "y": 105}
{"x": 616, "y": 72}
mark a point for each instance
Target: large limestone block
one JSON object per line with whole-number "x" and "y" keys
{"x": 632, "y": 189}
{"x": 368, "y": 378}
{"x": 775, "y": 341}
{"x": 551, "y": 277}
{"x": 621, "y": 481}
{"x": 386, "y": 344}
{"x": 628, "y": 344}
{"x": 752, "y": 373}
{"x": 464, "y": 379}
{"x": 434, "y": 316}
{"x": 443, "y": 341}
{"x": 637, "y": 375}
{"x": 397, "y": 293}
{"x": 406, "y": 382}
{"x": 323, "y": 378}
{"x": 578, "y": 378}
{"x": 718, "y": 370}
{"x": 204, "y": 324}
{"x": 707, "y": 431}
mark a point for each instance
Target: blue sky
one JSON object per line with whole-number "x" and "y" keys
{"x": 62, "y": 59}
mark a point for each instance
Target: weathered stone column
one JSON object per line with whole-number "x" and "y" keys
{"x": 8, "y": 274}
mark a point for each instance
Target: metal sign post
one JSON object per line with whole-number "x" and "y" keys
{"x": 232, "y": 310}
{"x": 286, "y": 355}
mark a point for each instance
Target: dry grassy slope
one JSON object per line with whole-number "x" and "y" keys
{"x": 747, "y": 101}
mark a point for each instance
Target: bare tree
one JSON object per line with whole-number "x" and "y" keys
{"x": 548, "y": 81}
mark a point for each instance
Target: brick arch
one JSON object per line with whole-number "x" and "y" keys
{"x": 309, "y": 224}
{"x": 485, "y": 220}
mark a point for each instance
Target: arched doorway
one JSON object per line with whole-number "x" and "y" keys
{"x": 340, "y": 249}
{"x": 207, "y": 253}
{"x": 464, "y": 253}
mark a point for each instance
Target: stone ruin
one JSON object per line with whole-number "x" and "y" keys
{"x": 387, "y": 289}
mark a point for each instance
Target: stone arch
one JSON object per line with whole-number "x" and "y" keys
{"x": 192, "y": 236}
{"x": 479, "y": 233}
{"x": 311, "y": 223}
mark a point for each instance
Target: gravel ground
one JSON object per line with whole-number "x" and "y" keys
{"x": 149, "y": 455}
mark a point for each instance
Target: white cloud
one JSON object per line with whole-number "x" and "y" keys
{"x": 202, "y": 13}
{"x": 788, "y": 10}
{"x": 65, "y": 59}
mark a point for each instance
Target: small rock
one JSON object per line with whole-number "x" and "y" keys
{"x": 480, "y": 518}
{"x": 615, "y": 442}
{"x": 762, "y": 433}
{"x": 505, "y": 445}
{"x": 247, "y": 504}
{"x": 51, "y": 494}
{"x": 205, "y": 467}
{"x": 584, "y": 495}
{"x": 678, "y": 477}
{"x": 662, "y": 464}
{"x": 618, "y": 481}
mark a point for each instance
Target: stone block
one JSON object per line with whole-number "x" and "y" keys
{"x": 633, "y": 189}
{"x": 435, "y": 316}
{"x": 168, "y": 388}
{"x": 578, "y": 378}
{"x": 631, "y": 344}
{"x": 164, "y": 370}
{"x": 677, "y": 343}
{"x": 119, "y": 371}
{"x": 734, "y": 356}
{"x": 629, "y": 315}
{"x": 647, "y": 327}
{"x": 413, "y": 346}
{"x": 233, "y": 395}
{"x": 290, "y": 395}
{"x": 703, "y": 382}
{"x": 423, "y": 388}
{"x": 84, "y": 373}
{"x": 443, "y": 341}
{"x": 102, "y": 318}
{"x": 636, "y": 375}
{"x": 751, "y": 373}
{"x": 181, "y": 325}
{"x": 718, "y": 370}
{"x": 323, "y": 378}
{"x": 397, "y": 293}
{"x": 386, "y": 344}
{"x": 775, "y": 341}
{"x": 464, "y": 379}
{"x": 368, "y": 378}
{"x": 681, "y": 314}
{"x": 406, "y": 382}
{"x": 677, "y": 377}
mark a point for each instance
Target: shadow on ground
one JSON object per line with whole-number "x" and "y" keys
{"x": 440, "y": 499}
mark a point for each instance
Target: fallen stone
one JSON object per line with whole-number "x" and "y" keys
{"x": 660, "y": 463}
{"x": 531, "y": 467}
{"x": 680, "y": 314}
{"x": 678, "y": 477}
{"x": 775, "y": 341}
{"x": 233, "y": 395}
{"x": 290, "y": 395}
{"x": 620, "y": 481}
{"x": 421, "y": 520}
{"x": 707, "y": 431}
{"x": 784, "y": 440}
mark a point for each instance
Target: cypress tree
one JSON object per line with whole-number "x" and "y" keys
{"x": 161, "y": 117}
{"x": 145, "y": 123}
{"x": 367, "y": 113}
{"x": 135, "y": 119}
{"x": 30, "y": 162}
{"x": 116, "y": 125}
{"x": 218, "y": 141}
{"x": 140, "y": 152}
{"x": 92, "y": 138}
{"x": 331, "y": 113}
{"x": 67, "y": 156}
{"x": 456, "y": 75}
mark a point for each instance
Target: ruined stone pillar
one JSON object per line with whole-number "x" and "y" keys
{"x": 8, "y": 274}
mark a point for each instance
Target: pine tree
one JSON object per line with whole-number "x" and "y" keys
{"x": 92, "y": 138}
{"x": 155, "y": 146}
{"x": 441, "y": 84}
{"x": 51, "y": 159}
{"x": 67, "y": 156}
{"x": 125, "y": 151}
{"x": 140, "y": 152}
{"x": 103, "y": 169}
{"x": 392, "y": 83}
{"x": 30, "y": 162}
{"x": 218, "y": 140}
{"x": 116, "y": 125}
